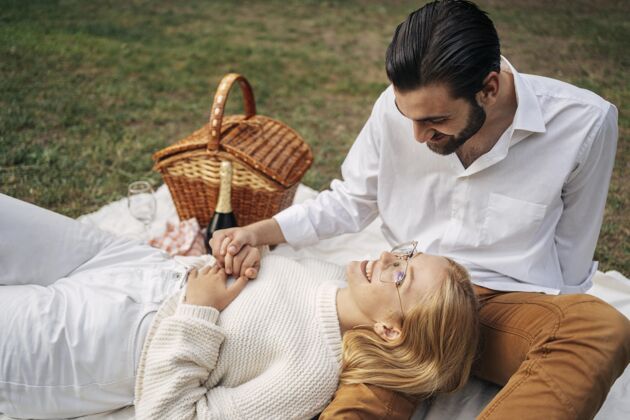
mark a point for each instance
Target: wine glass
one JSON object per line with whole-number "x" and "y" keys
{"x": 141, "y": 203}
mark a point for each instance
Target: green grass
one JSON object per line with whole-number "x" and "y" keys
{"x": 88, "y": 90}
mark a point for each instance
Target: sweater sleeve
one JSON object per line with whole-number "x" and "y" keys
{"x": 182, "y": 353}
{"x": 179, "y": 358}
{"x": 281, "y": 391}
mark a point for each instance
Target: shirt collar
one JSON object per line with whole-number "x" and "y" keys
{"x": 528, "y": 119}
{"x": 528, "y": 115}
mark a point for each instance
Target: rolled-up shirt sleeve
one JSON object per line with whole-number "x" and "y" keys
{"x": 584, "y": 198}
{"x": 350, "y": 204}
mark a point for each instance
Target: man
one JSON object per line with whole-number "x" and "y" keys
{"x": 511, "y": 182}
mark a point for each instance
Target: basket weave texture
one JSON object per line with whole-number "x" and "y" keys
{"x": 268, "y": 161}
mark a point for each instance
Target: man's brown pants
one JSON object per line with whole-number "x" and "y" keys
{"x": 555, "y": 356}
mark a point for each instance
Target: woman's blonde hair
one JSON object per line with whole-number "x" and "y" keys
{"x": 435, "y": 350}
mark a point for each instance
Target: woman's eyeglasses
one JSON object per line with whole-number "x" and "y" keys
{"x": 396, "y": 272}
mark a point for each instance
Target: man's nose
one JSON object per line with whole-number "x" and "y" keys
{"x": 422, "y": 132}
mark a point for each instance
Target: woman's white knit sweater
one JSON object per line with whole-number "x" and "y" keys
{"x": 273, "y": 353}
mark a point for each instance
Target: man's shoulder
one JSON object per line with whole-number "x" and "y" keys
{"x": 556, "y": 93}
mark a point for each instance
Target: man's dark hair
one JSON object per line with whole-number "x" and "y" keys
{"x": 451, "y": 42}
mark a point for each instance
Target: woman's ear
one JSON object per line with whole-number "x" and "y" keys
{"x": 387, "y": 332}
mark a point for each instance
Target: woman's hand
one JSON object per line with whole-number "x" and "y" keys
{"x": 208, "y": 287}
{"x": 244, "y": 263}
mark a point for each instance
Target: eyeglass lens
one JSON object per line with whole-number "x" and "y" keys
{"x": 403, "y": 252}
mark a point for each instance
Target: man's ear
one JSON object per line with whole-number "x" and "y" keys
{"x": 488, "y": 93}
{"x": 387, "y": 332}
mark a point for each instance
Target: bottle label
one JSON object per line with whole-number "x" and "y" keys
{"x": 224, "y": 202}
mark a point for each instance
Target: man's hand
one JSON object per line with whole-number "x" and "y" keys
{"x": 208, "y": 287}
{"x": 233, "y": 248}
{"x": 231, "y": 241}
{"x": 235, "y": 251}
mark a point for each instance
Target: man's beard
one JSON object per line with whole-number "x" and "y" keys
{"x": 476, "y": 119}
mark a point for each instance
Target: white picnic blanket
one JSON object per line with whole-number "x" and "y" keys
{"x": 612, "y": 287}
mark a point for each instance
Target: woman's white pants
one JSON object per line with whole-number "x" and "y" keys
{"x": 75, "y": 305}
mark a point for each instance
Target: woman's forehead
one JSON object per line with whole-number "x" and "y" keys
{"x": 433, "y": 261}
{"x": 427, "y": 267}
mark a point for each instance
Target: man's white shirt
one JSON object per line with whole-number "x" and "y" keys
{"x": 525, "y": 216}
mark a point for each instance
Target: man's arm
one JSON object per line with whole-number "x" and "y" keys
{"x": 584, "y": 198}
{"x": 349, "y": 206}
{"x": 351, "y": 203}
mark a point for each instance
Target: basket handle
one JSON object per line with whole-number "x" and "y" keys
{"x": 218, "y": 105}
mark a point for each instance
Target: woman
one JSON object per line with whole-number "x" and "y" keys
{"x": 79, "y": 325}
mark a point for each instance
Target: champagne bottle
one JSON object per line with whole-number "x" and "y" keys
{"x": 223, "y": 216}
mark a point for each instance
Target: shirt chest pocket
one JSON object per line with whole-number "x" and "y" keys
{"x": 509, "y": 223}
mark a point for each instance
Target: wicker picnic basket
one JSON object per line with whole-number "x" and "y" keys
{"x": 268, "y": 160}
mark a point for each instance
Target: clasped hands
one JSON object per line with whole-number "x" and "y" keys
{"x": 235, "y": 250}
{"x": 236, "y": 255}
